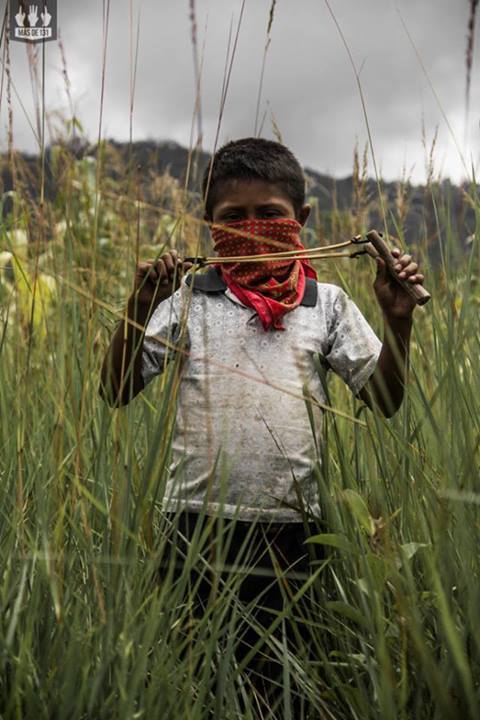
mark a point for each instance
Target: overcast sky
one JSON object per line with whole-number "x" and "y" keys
{"x": 309, "y": 86}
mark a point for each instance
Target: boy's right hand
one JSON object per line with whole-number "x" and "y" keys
{"x": 156, "y": 281}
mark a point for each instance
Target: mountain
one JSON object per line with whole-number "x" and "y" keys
{"x": 423, "y": 209}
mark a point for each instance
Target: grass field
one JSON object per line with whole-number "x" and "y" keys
{"x": 86, "y": 631}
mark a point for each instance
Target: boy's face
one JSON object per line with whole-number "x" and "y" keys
{"x": 254, "y": 200}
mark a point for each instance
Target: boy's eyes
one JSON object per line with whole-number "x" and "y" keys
{"x": 271, "y": 213}
{"x": 266, "y": 213}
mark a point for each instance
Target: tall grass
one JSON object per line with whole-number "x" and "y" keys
{"x": 87, "y": 629}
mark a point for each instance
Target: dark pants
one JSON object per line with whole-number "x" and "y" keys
{"x": 295, "y": 563}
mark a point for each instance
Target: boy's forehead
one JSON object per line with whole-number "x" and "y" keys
{"x": 238, "y": 192}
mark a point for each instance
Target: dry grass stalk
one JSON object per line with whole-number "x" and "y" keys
{"x": 469, "y": 51}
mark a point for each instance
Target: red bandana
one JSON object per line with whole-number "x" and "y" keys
{"x": 272, "y": 287}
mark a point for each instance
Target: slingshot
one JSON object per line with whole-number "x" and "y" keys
{"x": 373, "y": 245}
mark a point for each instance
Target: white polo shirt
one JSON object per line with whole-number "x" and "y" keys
{"x": 243, "y": 441}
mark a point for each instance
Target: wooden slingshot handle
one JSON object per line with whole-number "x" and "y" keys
{"x": 417, "y": 292}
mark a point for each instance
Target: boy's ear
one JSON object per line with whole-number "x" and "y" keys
{"x": 303, "y": 214}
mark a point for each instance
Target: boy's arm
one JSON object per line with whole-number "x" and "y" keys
{"x": 117, "y": 386}
{"x": 121, "y": 377}
{"x": 386, "y": 386}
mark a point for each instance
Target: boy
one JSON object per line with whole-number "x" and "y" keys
{"x": 243, "y": 446}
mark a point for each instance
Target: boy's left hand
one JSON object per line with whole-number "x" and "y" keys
{"x": 392, "y": 298}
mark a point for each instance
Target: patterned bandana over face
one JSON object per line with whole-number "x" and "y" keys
{"x": 273, "y": 287}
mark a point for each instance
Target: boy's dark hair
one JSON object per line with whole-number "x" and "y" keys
{"x": 254, "y": 159}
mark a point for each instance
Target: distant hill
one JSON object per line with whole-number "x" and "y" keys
{"x": 330, "y": 194}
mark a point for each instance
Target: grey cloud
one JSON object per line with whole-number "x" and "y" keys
{"x": 309, "y": 84}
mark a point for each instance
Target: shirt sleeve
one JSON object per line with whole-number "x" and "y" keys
{"x": 353, "y": 346}
{"x": 163, "y": 333}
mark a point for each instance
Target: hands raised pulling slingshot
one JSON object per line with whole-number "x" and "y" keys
{"x": 372, "y": 244}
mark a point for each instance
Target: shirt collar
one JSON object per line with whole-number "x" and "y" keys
{"x": 212, "y": 282}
